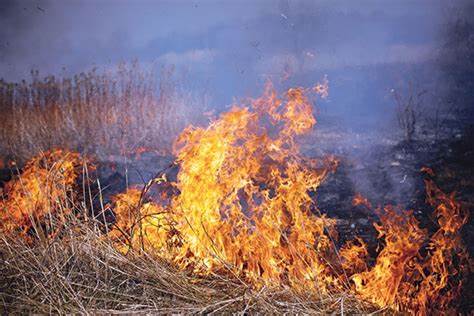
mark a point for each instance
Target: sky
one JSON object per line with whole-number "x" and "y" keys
{"x": 228, "y": 49}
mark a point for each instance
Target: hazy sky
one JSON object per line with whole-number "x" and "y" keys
{"x": 228, "y": 47}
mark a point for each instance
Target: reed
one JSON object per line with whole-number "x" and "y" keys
{"x": 104, "y": 112}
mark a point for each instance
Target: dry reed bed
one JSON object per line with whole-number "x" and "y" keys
{"x": 106, "y": 112}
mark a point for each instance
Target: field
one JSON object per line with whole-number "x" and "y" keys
{"x": 225, "y": 216}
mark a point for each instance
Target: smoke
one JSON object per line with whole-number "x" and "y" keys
{"x": 16, "y": 21}
{"x": 367, "y": 49}
{"x": 457, "y": 60}
{"x": 230, "y": 50}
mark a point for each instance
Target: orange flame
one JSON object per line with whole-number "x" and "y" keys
{"x": 415, "y": 271}
{"x": 41, "y": 191}
{"x": 244, "y": 202}
{"x": 361, "y": 200}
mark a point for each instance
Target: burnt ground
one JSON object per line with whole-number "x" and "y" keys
{"x": 391, "y": 174}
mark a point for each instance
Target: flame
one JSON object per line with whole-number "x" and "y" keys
{"x": 415, "y": 271}
{"x": 448, "y": 258}
{"x": 244, "y": 202}
{"x": 385, "y": 283}
{"x": 354, "y": 256}
{"x": 359, "y": 199}
{"x": 146, "y": 224}
{"x": 44, "y": 189}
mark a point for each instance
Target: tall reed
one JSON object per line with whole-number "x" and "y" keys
{"x": 107, "y": 112}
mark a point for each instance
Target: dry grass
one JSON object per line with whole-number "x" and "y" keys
{"x": 108, "y": 112}
{"x": 82, "y": 272}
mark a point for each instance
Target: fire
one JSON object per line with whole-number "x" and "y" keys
{"x": 145, "y": 224}
{"x": 415, "y": 271}
{"x": 242, "y": 205}
{"x": 361, "y": 200}
{"x": 43, "y": 191}
{"x": 385, "y": 284}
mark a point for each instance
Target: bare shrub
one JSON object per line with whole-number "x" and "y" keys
{"x": 409, "y": 109}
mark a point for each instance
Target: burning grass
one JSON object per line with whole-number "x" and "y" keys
{"x": 237, "y": 231}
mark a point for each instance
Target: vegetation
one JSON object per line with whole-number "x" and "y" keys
{"x": 110, "y": 112}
